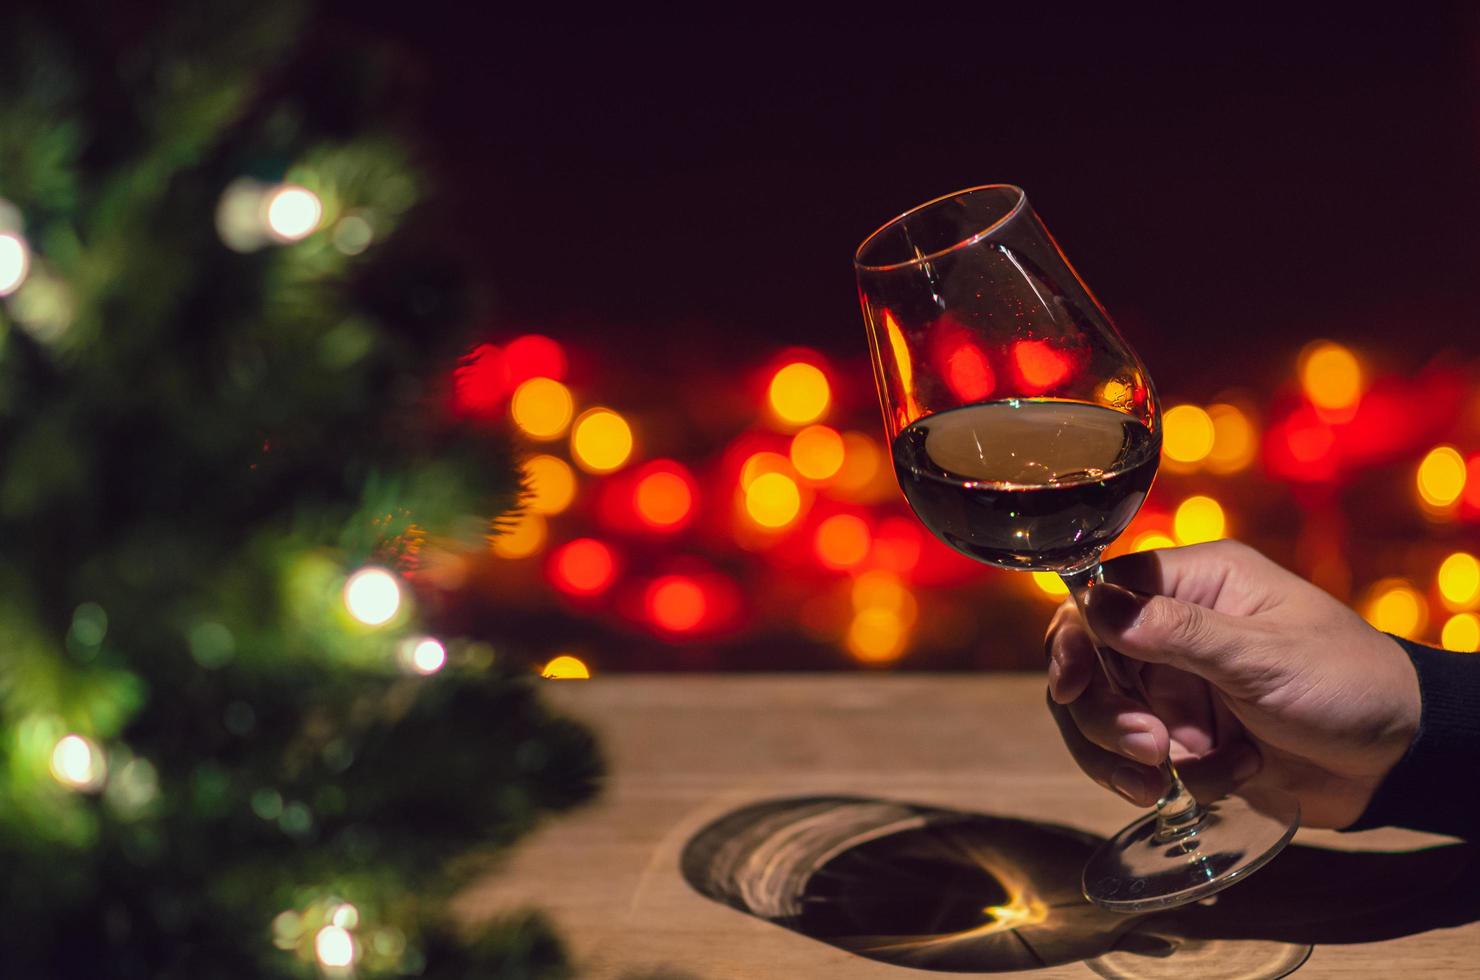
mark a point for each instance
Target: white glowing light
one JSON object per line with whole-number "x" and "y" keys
{"x": 79, "y": 763}
{"x": 372, "y": 596}
{"x": 426, "y": 655}
{"x": 334, "y": 946}
{"x": 292, "y": 212}
{"x": 345, "y": 917}
{"x": 15, "y": 262}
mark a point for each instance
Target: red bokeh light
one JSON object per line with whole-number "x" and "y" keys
{"x": 585, "y": 567}
{"x": 676, "y": 603}
{"x": 1471, "y": 496}
{"x": 968, "y": 372}
{"x": 534, "y": 356}
{"x": 1040, "y": 365}
{"x": 842, "y": 541}
{"x": 897, "y": 545}
{"x": 480, "y": 383}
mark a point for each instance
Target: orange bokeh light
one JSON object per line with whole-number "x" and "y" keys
{"x": 968, "y": 372}
{"x": 761, "y": 463}
{"x": 676, "y": 603}
{"x": 664, "y": 496}
{"x": 817, "y": 452}
{"x": 1040, "y": 365}
{"x": 585, "y": 566}
{"x": 842, "y": 541}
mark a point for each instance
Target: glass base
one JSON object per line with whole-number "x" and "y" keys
{"x": 1139, "y": 870}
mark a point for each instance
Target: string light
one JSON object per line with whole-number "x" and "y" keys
{"x": 372, "y": 596}
{"x": 542, "y": 408}
{"x": 15, "y": 262}
{"x": 524, "y": 538}
{"x": 1199, "y": 519}
{"x": 1441, "y": 477}
{"x": 601, "y": 440}
{"x": 799, "y": 393}
{"x": 292, "y": 212}
{"x": 334, "y": 947}
{"x": 1459, "y": 580}
{"x": 1331, "y": 377}
{"x": 1461, "y": 633}
{"x": 566, "y": 668}
{"x": 552, "y": 484}
{"x": 1395, "y": 606}
{"x": 423, "y": 655}
{"x": 842, "y": 541}
{"x": 1187, "y": 434}
{"x": 78, "y": 763}
{"x": 773, "y": 500}
{"x": 676, "y": 603}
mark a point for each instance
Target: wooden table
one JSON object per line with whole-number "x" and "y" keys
{"x": 820, "y": 826}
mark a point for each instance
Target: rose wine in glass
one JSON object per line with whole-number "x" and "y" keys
{"x": 1026, "y": 433}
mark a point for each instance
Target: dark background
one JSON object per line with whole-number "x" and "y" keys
{"x": 1231, "y": 184}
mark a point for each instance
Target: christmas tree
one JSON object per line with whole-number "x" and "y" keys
{"x": 234, "y": 743}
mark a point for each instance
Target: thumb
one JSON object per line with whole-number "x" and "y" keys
{"x": 1161, "y": 630}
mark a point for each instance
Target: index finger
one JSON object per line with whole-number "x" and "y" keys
{"x": 1196, "y": 573}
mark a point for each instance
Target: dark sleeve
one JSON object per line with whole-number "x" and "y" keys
{"x": 1436, "y": 786}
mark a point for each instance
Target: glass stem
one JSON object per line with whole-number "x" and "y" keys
{"x": 1178, "y": 814}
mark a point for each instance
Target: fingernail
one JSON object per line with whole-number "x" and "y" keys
{"x": 1114, "y": 608}
{"x": 1140, "y": 746}
{"x": 1130, "y": 784}
{"x": 1248, "y": 765}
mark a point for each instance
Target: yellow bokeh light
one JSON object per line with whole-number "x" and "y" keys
{"x": 15, "y": 262}
{"x": 335, "y": 947}
{"x": 523, "y": 539}
{"x": 773, "y": 500}
{"x": 876, "y": 635}
{"x": 1331, "y": 376}
{"x": 799, "y": 393}
{"x": 345, "y": 916}
{"x": 878, "y": 589}
{"x": 1395, "y": 606}
{"x": 1116, "y": 392}
{"x": 1461, "y": 633}
{"x": 542, "y": 407}
{"x": 761, "y": 463}
{"x": 862, "y": 460}
{"x": 1459, "y": 580}
{"x": 1187, "y": 434}
{"x": 78, "y": 763}
{"x": 292, "y": 212}
{"x": 1050, "y": 584}
{"x": 601, "y": 441}
{"x": 1235, "y": 442}
{"x": 566, "y": 668}
{"x": 1441, "y": 477}
{"x": 817, "y": 452}
{"x": 552, "y": 484}
{"x": 1199, "y": 519}
{"x": 372, "y": 596}
{"x": 1150, "y": 540}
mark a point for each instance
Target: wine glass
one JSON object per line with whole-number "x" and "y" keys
{"x": 1025, "y": 435}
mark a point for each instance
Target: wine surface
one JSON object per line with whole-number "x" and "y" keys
{"x": 1025, "y": 483}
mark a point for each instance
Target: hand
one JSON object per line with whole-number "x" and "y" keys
{"x": 1258, "y": 681}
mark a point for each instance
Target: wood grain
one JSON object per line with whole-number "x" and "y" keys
{"x": 686, "y": 750}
